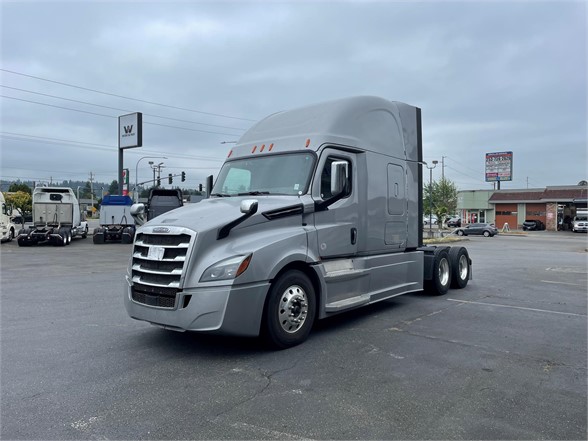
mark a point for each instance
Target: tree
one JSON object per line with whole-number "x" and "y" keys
{"x": 22, "y": 201}
{"x": 113, "y": 189}
{"x": 443, "y": 195}
{"x": 15, "y": 186}
{"x": 87, "y": 190}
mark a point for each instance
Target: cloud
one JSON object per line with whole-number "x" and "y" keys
{"x": 487, "y": 75}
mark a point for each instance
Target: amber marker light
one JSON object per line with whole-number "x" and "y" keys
{"x": 244, "y": 265}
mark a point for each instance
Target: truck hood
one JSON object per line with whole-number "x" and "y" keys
{"x": 214, "y": 213}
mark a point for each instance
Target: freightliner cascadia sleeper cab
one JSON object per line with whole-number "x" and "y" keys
{"x": 315, "y": 211}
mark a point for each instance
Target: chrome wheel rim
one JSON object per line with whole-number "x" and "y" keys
{"x": 463, "y": 267}
{"x": 444, "y": 272}
{"x": 293, "y": 309}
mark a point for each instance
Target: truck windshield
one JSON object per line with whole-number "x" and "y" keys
{"x": 287, "y": 174}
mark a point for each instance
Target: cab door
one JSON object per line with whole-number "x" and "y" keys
{"x": 337, "y": 224}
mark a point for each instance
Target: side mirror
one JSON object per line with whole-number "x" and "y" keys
{"x": 138, "y": 213}
{"x": 249, "y": 206}
{"x": 339, "y": 176}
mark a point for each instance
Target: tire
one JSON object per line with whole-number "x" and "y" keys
{"x": 460, "y": 267}
{"x": 98, "y": 237}
{"x": 68, "y": 236}
{"x": 11, "y": 235}
{"x": 487, "y": 234}
{"x": 63, "y": 241}
{"x": 292, "y": 291}
{"x": 460, "y": 233}
{"x": 22, "y": 242}
{"x": 85, "y": 233}
{"x": 128, "y": 234}
{"x": 441, "y": 280}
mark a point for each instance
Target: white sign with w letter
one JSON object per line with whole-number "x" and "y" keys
{"x": 130, "y": 130}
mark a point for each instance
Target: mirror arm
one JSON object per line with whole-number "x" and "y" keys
{"x": 226, "y": 229}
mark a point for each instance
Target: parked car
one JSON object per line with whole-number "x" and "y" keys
{"x": 18, "y": 219}
{"x": 434, "y": 220}
{"x": 580, "y": 224}
{"x": 454, "y": 222}
{"x": 487, "y": 230}
{"x": 533, "y": 224}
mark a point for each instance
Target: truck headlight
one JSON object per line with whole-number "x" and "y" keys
{"x": 226, "y": 269}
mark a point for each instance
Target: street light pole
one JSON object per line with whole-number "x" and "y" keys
{"x": 158, "y": 168}
{"x": 435, "y": 162}
{"x": 137, "y": 172}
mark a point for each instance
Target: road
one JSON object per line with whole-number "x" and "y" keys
{"x": 504, "y": 358}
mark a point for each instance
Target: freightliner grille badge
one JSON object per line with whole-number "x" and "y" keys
{"x": 161, "y": 230}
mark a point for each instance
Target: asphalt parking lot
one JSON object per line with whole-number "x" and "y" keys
{"x": 504, "y": 358}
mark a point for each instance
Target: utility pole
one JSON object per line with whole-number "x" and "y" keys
{"x": 92, "y": 190}
{"x": 443, "y": 167}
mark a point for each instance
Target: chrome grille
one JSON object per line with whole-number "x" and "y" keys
{"x": 158, "y": 264}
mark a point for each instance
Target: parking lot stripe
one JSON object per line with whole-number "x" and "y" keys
{"x": 562, "y": 283}
{"x": 517, "y": 307}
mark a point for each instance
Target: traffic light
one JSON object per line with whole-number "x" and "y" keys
{"x": 170, "y": 179}
{"x": 183, "y": 176}
{"x": 199, "y": 187}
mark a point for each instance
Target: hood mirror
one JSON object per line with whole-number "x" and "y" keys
{"x": 249, "y": 206}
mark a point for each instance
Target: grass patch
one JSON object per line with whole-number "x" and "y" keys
{"x": 446, "y": 239}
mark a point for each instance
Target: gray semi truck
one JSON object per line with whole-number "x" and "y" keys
{"x": 160, "y": 200}
{"x": 315, "y": 211}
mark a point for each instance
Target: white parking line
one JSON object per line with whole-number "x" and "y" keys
{"x": 517, "y": 307}
{"x": 562, "y": 283}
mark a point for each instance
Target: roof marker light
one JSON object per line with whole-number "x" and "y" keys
{"x": 271, "y": 146}
{"x": 262, "y": 147}
{"x": 254, "y": 148}
{"x": 307, "y": 142}
{"x": 230, "y": 153}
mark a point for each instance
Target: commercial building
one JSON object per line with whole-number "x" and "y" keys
{"x": 554, "y": 206}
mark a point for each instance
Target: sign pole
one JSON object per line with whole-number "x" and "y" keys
{"x": 120, "y": 172}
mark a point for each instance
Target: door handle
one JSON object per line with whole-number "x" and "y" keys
{"x": 353, "y": 236}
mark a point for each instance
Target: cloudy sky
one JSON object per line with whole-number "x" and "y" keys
{"x": 489, "y": 76}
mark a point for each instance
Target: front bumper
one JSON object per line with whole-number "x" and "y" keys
{"x": 231, "y": 310}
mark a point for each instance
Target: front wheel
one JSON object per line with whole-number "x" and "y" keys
{"x": 290, "y": 310}
{"x": 459, "y": 233}
{"x": 486, "y": 233}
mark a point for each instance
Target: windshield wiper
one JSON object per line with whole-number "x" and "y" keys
{"x": 253, "y": 193}
{"x": 221, "y": 195}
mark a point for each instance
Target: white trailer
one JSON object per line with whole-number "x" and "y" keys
{"x": 56, "y": 218}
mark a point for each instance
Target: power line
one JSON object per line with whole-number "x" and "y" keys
{"x": 126, "y": 97}
{"x": 119, "y": 109}
{"x": 114, "y": 117}
{"x": 57, "y": 141}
